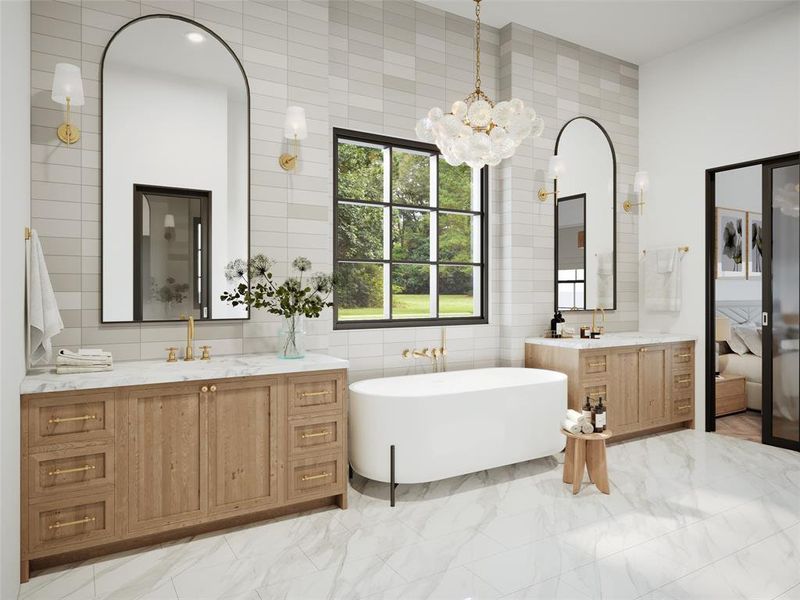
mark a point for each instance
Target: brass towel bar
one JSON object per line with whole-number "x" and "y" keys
{"x": 683, "y": 249}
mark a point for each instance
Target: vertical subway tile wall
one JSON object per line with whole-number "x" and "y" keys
{"x": 364, "y": 65}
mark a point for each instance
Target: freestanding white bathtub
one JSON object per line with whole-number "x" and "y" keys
{"x": 447, "y": 424}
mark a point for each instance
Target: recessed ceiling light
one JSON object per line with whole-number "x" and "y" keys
{"x": 195, "y": 37}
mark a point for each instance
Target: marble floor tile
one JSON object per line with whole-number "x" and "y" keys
{"x": 458, "y": 583}
{"x": 352, "y": 579}
{"x": 522, "y": 567}
{"x": 690, "y": 515}
{"x": 434, "y": 556}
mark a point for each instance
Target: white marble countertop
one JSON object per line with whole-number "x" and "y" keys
{"x": 146, "y": 372}
{"x": 612, "y": 340}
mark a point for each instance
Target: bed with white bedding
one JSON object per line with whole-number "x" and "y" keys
{"x": 736, "y": 357}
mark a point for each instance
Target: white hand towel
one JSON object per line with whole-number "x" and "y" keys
{"x": 662, "y": 290}
{"x": 70, "y": 369}
{"x": 587, "y": 428}
{"x": 570, "y": 426}
{"x": 44, "y": 319}
{"x": 97, "y": 356}
{"x": 666, "y": 258}
{"x": 574, "y": 415}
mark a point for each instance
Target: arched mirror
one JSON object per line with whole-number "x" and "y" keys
{"x": 175, "y": 171}
{"x": 585, "y": 218}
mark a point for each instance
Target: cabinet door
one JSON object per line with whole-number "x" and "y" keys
{"x": 243, "y": 444}
{"x": 167, "y": 457}
{"x": 654, "y": 378}
{"x": 624, "y": 407}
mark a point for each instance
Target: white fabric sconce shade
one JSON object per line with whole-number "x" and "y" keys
{"x": 295, "y": 126}
{"x": 67, "y": 84}
{"x": 641, "y": 181}
{"x": 556, "y": 167}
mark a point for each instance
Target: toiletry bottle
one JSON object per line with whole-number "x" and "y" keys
{"x": 587, "y": 410}
{"x": 594, "y": 416}
{"x": 554, "y": 325}
{"x": 560, "y": 320}
{"x": 600, "y": 416}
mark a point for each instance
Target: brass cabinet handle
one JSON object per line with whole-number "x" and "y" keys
{"x": 598, "y": 364}
{"x": 686, "y": 380}
{"x": 314, "y": 434}
{"x": 213, "y": 388}
{"x": 55, "y": 472}
{"x": 688, "y": 355}
{"x": 684, "y": 407}
{"x": 59, "y": 525}
{"x": 204, "y": 389}
{"x": 642, "y": 349}
{"x": 312, "y": 477}
{"x": 312, "y": 394}
{"x": 58, "y": 420}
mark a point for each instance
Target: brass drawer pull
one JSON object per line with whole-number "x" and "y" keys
{"x": 683, "y": 407}
{"x": 213, "y": 388}
{"x": 686, "y": 380}
{"x": 75, "y": 470}
{"x": 598, "y": 364}
{"x": 314, "y": 434}
{"x": 312, "y": 477}
{"x": 59, "y": 525}
{"x": 204, "y": 389}
{"x": 687, "y": 355}
{"x": 312, "y": 394}
{"x": 58, "y": 420}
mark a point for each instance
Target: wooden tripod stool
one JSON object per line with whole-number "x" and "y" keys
{"x": 589, "y": 450}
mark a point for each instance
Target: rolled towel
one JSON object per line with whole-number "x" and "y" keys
{"x": 570, "y": 426}
{"x": 574, "y": 415}
{"x": 587, "y": 428}
{"x": 91, "y": 355}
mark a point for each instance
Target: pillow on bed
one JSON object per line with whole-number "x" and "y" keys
{"x": 745, "y": 339}
{"x": 751, "y": 336}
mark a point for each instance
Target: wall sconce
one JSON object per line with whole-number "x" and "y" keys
{"x": 295, "y": 129}
{"x": 555, "y": 169}
{"x": 641, "y": 183}
{"x": 169, "y": 227}
{"x": 68, "y": 90}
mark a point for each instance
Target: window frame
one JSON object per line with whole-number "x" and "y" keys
{"x": 340, "y": 134}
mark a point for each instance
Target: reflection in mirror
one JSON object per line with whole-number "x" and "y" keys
{"x": 175, "y": 178}
{"x": 572, "y": 252}
{"x": 585, "y": 221}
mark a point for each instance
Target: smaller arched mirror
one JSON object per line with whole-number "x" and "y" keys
{"x": 175, "y": 179}
{"x": 585, "y": 218}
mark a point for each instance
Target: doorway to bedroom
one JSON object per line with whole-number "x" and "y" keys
{"x": 752, "y": 324}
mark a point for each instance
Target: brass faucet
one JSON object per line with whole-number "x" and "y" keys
{"x": 189, "y": 354}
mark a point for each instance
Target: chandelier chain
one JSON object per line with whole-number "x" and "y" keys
{"x": 477, "y": 45}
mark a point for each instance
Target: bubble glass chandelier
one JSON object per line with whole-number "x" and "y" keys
{"x": 477, "y": 131}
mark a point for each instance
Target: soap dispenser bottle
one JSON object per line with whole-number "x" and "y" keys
{"x": 600, "y": 416}
{"x": 554, "y": 329}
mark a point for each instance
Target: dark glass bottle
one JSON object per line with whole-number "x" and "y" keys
{"x": 600, "y": 416}
{"x": 554, "y": 325}
{"x": 587, "y": 410}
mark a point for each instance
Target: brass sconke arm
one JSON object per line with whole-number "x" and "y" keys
{"x": 288, "y": 161}
{"x": 543, "y": 194}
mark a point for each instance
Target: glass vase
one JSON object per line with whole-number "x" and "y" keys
{"x": 292, "y": 338}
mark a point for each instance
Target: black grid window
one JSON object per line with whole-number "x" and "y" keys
{"x": 410, "y": 235}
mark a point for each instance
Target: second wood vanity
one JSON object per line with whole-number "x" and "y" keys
{"x": 646, "y": 380}
{"x": 127, "y": 464}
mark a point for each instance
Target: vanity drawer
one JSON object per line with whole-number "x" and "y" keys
{"x": 318, "y": 434}
{"x": 682, "y": 356}
{"x": 594, "y": 364}
{"x": 76, "y": 522}
{"x": 317, "y": 476}
{"x": 314, "y": 394}
{"x": 78, "y": 418}
{"x": 683, "y": 408}
{"x": 594, "y": 391}
{"x": 81, "y": 469}
{"x": 682, "y": 383}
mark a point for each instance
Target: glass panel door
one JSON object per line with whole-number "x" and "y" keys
{"x": 780, "y": 240}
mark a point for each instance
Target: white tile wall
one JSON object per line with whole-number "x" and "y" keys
{"x": 361, "y": 64}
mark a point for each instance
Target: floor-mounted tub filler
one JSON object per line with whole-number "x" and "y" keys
{"x": 421, "y": 428}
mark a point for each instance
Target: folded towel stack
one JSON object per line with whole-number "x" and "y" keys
{"x": 83, "y": 361}
{"x": 575, "y": 422}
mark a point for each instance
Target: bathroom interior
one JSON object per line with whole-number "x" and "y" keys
{"x": 419, "y": 299}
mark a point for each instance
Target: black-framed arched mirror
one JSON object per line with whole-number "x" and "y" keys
{"x": 586, "y": 218}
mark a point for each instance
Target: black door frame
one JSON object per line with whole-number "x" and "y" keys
{"x": 766, "y": 295}
{"x": 710, "y": 279}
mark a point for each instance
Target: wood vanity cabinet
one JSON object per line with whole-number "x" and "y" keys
{"x": 107, "y": 470}
{"x": 645, "y": 388}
